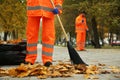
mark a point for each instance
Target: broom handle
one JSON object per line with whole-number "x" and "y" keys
{"x": 60, "y": 21}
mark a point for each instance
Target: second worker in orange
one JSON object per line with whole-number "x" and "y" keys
{"x": 80, "y": 29}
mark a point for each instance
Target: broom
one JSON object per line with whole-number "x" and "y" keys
{"x": 74, "y": 56}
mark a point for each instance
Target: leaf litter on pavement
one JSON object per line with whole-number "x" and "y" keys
{"x": 60, "y": 70}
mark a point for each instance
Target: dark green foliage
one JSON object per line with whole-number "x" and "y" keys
{"x": 13, "y": 17}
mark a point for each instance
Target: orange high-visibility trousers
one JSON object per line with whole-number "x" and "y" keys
{"x": 80, "y": 40}
{"x": 48, "y": 38}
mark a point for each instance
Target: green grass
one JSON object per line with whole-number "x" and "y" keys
{"x": 92, "y": 47}
{"x": 104, "y": 47}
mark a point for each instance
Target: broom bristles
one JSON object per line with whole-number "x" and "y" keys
{"x": 74, "y": 56}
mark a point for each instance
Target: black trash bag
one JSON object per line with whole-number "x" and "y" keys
{"x": 12, "y": 54}
{"x": 13, "y": 47}
{"x": 12, "y": 57}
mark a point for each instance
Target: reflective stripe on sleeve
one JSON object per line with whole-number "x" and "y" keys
{"x": 39, "y": 7}
{"x": 43, "y": 8}
{"x": 59, "y": 7}
{"x": 80, "y": 29}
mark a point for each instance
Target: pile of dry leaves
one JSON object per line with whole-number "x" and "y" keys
{"x": 59, "y": 70}
{"x": 11, "y": 41}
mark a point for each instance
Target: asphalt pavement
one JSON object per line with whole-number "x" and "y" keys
{"x": 110, "y": 57}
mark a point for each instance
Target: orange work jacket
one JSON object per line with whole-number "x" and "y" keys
{"x": 80, "y": 23}
{"x": 42, "y": 7}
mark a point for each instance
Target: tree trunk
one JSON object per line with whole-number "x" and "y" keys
{"x": 111, "y": 37}
{"x": 95, "y": 34}
{"x": 5, "y": 36}
{"x": 14, "y": 34}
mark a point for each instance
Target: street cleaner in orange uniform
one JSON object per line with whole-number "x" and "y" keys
{"x": 37, "y": 9}
{"x": 80, "y": 29}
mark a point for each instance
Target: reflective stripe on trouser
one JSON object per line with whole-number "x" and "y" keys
{"x": 48, "y": 39}
{"x": 80, "y": 40}
{"x": 32, "y": 38}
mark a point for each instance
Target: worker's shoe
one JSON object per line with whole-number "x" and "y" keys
{"x": 82, "y": 50}
{"x": 26, "y": 62}
{"x": 47, "y": 64}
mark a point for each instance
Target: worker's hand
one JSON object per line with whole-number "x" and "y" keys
{"x": 87, "y": 31}
{"x": 55, "y": 11}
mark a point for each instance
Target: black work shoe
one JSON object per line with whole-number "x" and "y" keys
{"x": 28, "y": 63}
{"x": 47, "y": 64}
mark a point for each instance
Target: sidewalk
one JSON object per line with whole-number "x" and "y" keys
{"x": 110, "y": 57}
